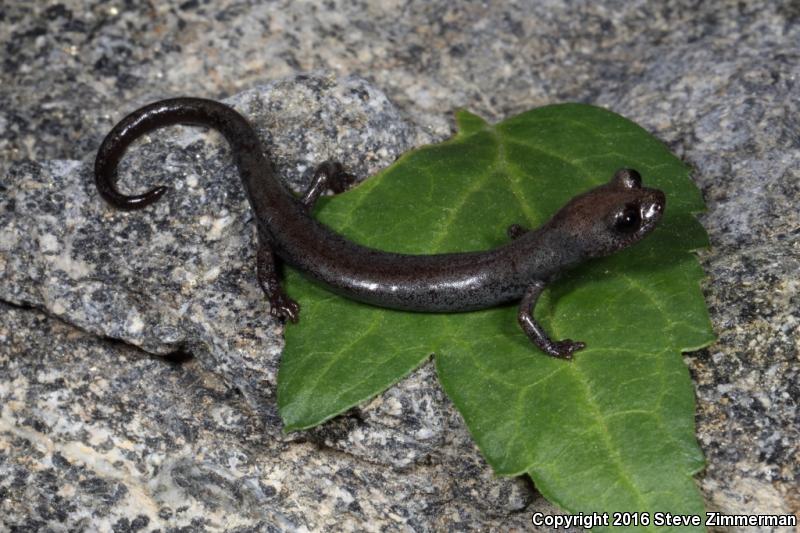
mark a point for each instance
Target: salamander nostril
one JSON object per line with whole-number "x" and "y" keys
{"x": 660, "y": 201}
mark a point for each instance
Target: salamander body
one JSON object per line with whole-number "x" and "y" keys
{"x": 596, "y": 223}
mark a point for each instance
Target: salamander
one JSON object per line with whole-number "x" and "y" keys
{"x": 596, "y": 223}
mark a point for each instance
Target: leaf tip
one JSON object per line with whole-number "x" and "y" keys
{"x": 468, "y": 122}
{"x": 292, "y": 423}
{"x": 289, "y": 428}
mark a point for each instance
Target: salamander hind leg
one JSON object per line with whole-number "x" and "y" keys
{"x": 281, "y": 306}
{"x": 328, "y": 175}
{"x": 561, "y": 349}
{"x": 516, "y": 231}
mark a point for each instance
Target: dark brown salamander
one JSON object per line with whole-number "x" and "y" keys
{"x": 596, "y": 223}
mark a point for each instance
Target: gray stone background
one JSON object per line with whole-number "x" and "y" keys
{"x": 97, "y": 432}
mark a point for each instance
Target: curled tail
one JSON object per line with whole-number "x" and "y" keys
{"x": 271, "y": 202}
{"x": 247, "y": 149}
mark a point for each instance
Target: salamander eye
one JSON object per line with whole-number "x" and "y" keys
{"x": 628, "y": 178}
{"x": 629, "y": 219}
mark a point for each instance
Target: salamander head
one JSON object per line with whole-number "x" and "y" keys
{"x": 610, "y": 217}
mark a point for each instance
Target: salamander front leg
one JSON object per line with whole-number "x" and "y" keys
{"x": 281, "y": 306}
{"x": 561, "y": 349}
{"x": 328, "y": 175}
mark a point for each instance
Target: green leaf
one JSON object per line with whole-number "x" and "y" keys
{"x": 611, "y": 431}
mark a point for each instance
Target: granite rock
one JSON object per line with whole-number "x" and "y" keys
{"x": 100, "y": 436}
{"x": 180, "y": 277}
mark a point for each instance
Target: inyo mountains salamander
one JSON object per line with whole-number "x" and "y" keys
{"x": 597, "y": 223}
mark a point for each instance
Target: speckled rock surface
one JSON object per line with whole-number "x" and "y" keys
{"x": 125, "y": 441}
{"x": 182, "y": 278}
{"x": 718, "y": 81}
